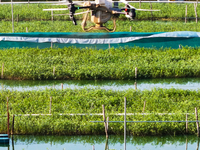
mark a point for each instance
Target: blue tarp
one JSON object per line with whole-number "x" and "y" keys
{"x": 100, "y": 40}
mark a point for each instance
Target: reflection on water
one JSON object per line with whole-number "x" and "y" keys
{"x": 148, "y": 84}
{"x": 27, "y": 142}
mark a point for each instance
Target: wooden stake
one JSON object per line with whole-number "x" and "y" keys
{"x": 104, "y": 119}
{"x": 12, "y": 16}
{"x": 196, "y": 113}
{"x": 54, "y": 71}
{"x": 51, "y": 44}
{"x": 52, "y": 15}
{"x": 186, "y": 123}
{"x": 107, "y": 123}
{"x": 8, "y": 119}
{"x": 130, "y": 28}
{"x": 50, "y": 105}
{"x": 144, "y": 106}
{"x": 109, "y": 45}
{"x": 13, "y": 124}
{"x": 2, "y": 69}
{"x": 125, "y": 123}
{"x": 136, "y": 72}
{"x": 17, "y": 18}
{"x": 195, "y": 9}
{"x": 62, "y": 86}
{"x": 135, "y": 85}
{"x": 186, "y": 14}
{"x": 151, "y": 11}
{"x": 186, "y": 144}
{"x": 26, "y": 29}
{"x": 140, "y": 4}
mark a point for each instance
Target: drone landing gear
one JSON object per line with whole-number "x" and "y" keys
{"x": 98, "y": 26}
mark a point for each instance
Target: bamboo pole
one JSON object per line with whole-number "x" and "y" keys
{"x": 186, "y": 144}
{"x": 125, "y": 123}
{"x": 2, "y": 70}
{"x": 17, "y": 18}
{"x": 12, "y": 16}
{"x": 195, "y": 9}
{"x": 52, "y": 15}
{"x": 13, "y": 124}
{"x": 186, "y": 14}
{"x": 50, "y": 105}
{"x": 144, "y": 106}
{"x": 151, "y": 11}
{"x": 8, "y": 119}
{"x": 197, "y": 123}
{"x": 62, "y": 86}
{"x": 186, "y": 123}
{"x": 104, "y": 119}
{"x": 135, "y": 85}
{"x": 136, "y": 72}
{"x": 54, "y": 70}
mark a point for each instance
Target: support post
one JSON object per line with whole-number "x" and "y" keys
{"x": 195, "y": 9}
{"x": 144, "y": 106}
{"x": 140, "y": 4}
{"x": 8, "y": 119}
{"x": 186, "y": 14}
{"x": 104, "y": 119}
{"x": 135, "y": 85}
{"x": 50, "y": 105}
{"x": 186, "y": 123}
{"x": 62, "y": 86}
{"x": 125, "y": 123}
{"x": 130, "y": 28}
{"x": 108, "y": 45}
{"x": 12, "y": 16}
{"x": 52, "y": 15}
{"x": 13, "y": 124}
{"x": 196, "y": 113}
{"x": 26, "y": 29}
{"x": 51, "y": 44}
{"x": 136, "y": 72}
{"x": 54, "y": 71}
{"x": 2, "y": 70}
{"x": 151, "y": 11}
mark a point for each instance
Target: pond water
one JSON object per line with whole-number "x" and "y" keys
{"x": 143, "y": 84}
{"x": 28, "y": 142}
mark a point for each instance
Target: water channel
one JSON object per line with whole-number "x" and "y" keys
{"x": 118, "y": 85}
{"x": 169, "y": 142}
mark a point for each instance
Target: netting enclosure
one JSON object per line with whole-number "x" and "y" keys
{"x": 100, "y": 40}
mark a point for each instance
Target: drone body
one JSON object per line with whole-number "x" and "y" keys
{"x": 100, "y": 12}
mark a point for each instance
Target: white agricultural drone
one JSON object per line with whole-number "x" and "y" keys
{"x": 101, "y": 11}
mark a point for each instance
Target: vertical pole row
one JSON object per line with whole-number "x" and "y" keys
{"x": 196, "y": 113}
{"x": 125, "y": 123}
{"x": 104, "y": 119}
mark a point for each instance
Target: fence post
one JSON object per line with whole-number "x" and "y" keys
{"x": 104, "y": 119}
{"x": 2, "y": 70}
{"x": 124, "y": 123}
{"x": 8, "y": 119}
{"x": 196, "y": 113}
{"x": 50, "y": 105}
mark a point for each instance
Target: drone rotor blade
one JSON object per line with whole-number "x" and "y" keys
{"x": 55, "y": 9}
